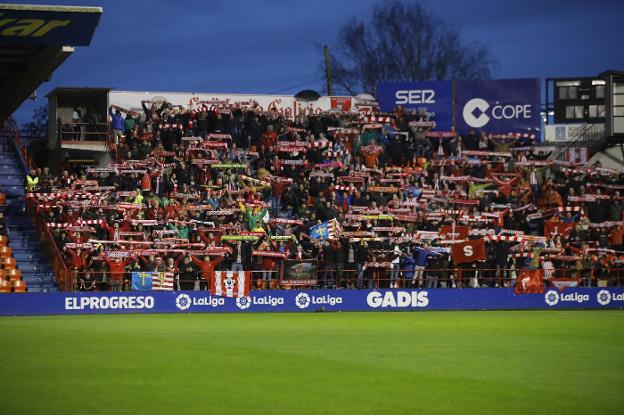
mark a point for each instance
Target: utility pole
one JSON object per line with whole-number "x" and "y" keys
{"x": 328, "y": 71}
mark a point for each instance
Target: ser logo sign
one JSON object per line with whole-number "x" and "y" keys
{"x": 414, "y": 96}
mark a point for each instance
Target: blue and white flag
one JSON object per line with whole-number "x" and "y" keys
{"x": 142, "y": 281}
{"x": 326, "y": 230}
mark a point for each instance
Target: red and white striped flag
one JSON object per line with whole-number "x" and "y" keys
{"x": 162, "y": 281}
{"x": 233, "y": 284}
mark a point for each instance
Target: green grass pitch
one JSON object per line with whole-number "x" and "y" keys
{"x": 556, "y": 362}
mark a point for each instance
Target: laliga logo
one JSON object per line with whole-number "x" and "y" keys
{"x": 183, "y": 302}
{"x": 603, "y": 297}
{"x": 551, "y": 297}
{"x": 243, "y": 302}
{"x": 302, "y": 300}
{"x": 475, "y": 116}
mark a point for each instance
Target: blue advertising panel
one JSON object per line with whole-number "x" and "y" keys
{"x": 435, "y": 96}
{"x": 48, "y": 25}
{"x": 503, "y": 106}
{"x": 308, "y": 301}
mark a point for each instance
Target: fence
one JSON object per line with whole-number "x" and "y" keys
{"x": 63, "y": 277}
{"x": 457, "y": 277}
{"x": 11, "y": 136}
{"x": 76, "y": 132}
{"x": 591, "y": 136}
{"x": 103, "y": 281}
{"x": 378, "y": 279}
{"x": 114, "y": 148}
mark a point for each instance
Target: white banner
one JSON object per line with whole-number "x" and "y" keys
{"x": 286, "y": 105}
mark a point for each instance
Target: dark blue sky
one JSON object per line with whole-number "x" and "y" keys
{"x": 271, "y": 46}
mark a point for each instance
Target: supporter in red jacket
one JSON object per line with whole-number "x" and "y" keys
{"x": 206, "y": 266}
{"x": 77, "y": 258}
{"x": 113, "y": 231}
{"x": 116, "y": 270}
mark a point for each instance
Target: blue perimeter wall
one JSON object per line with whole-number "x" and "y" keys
{"x": 308, "y": 301}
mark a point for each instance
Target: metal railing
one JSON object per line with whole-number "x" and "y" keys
{"x": 590, "y": 135}
{"x": 373, "y": 279}
{"x": 11, "y": 134}
{"x": 65, "y": 283}
{"x": 106, "y": 281}
{"x": 114, "y": 148}
{"x": 452, "y": 277}
{"x": 81, "y": 132}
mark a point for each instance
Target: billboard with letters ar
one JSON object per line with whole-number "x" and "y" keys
{"x": 434, "y": 96}
{"x": 502, "y": 106}
{"x": 47, "y": 25}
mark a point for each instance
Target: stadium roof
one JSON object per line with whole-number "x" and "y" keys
{"x": 611, "y": 72}
{"x": 34, "y": 41}
{"x": 77, "y": 91}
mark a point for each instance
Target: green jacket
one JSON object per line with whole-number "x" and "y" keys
{"x": 182, "y": 233}
{"x": 130, "y": 122}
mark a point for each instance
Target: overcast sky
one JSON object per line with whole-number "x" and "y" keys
{"x": 276, "y": 46}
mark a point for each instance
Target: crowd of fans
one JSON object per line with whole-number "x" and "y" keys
{"x": 197, "y": 189}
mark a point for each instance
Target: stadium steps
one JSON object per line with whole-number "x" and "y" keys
{"x": 27, "y": 248}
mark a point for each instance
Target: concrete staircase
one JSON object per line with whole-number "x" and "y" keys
{"x": 27, "y": 248}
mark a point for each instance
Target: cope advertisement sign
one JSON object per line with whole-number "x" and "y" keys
{"x": 502, "y": 106}
{"x": 309, "y": 301}
{"x": 434, "y": 96}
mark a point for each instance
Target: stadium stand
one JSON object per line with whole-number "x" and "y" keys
{"x": 375, "y": 200}
{"x": 34, "y": 41}
{"x": 22, "y": 250}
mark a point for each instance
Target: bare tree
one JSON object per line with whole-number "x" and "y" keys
{"x": 403, "y": 41}
{"x": 38, "y": 126}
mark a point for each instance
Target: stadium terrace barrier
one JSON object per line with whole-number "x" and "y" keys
{"x": 308, "y": 301}
{"x": 431, "y": 278}
{"x": 11, "y": 132}
{"x": 81, "y": 132}
{"x": 63, "y": 277}
{"x": 101, "y": 281}
{"x": 113, "y": 148}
